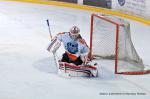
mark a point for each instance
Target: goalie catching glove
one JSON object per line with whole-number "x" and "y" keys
{"x": 85, "y": 59}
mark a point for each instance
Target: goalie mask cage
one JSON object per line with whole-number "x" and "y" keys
{"x": 110, "y": 38}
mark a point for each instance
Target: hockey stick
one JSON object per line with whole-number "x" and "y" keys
{"x": 55, "y": 59}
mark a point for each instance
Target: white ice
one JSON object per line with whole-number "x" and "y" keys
{"x": 27, "y": 70}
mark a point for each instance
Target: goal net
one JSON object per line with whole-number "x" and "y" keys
{"x": 110, "y": 38}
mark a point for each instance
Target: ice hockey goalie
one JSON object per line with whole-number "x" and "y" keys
{"x": 75, "y": 59}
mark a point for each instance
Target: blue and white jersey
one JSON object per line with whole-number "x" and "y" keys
{"x": 74, "y": 48}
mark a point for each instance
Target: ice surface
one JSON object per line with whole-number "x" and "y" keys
{"x": 27, "y": 70}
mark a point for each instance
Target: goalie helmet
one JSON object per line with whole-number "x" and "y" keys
{"x": 74, "y": 32}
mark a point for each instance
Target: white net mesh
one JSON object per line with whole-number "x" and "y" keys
{"x": 104, "y": 42}
{"x": 103, "y": 38}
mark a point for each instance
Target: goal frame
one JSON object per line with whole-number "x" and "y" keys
{"x": 116, "y": 45}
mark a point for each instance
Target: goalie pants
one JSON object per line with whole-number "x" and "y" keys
{"x": 65, "y": 58}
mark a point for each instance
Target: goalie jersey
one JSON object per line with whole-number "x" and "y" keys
{"x": 73, "y": 48}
